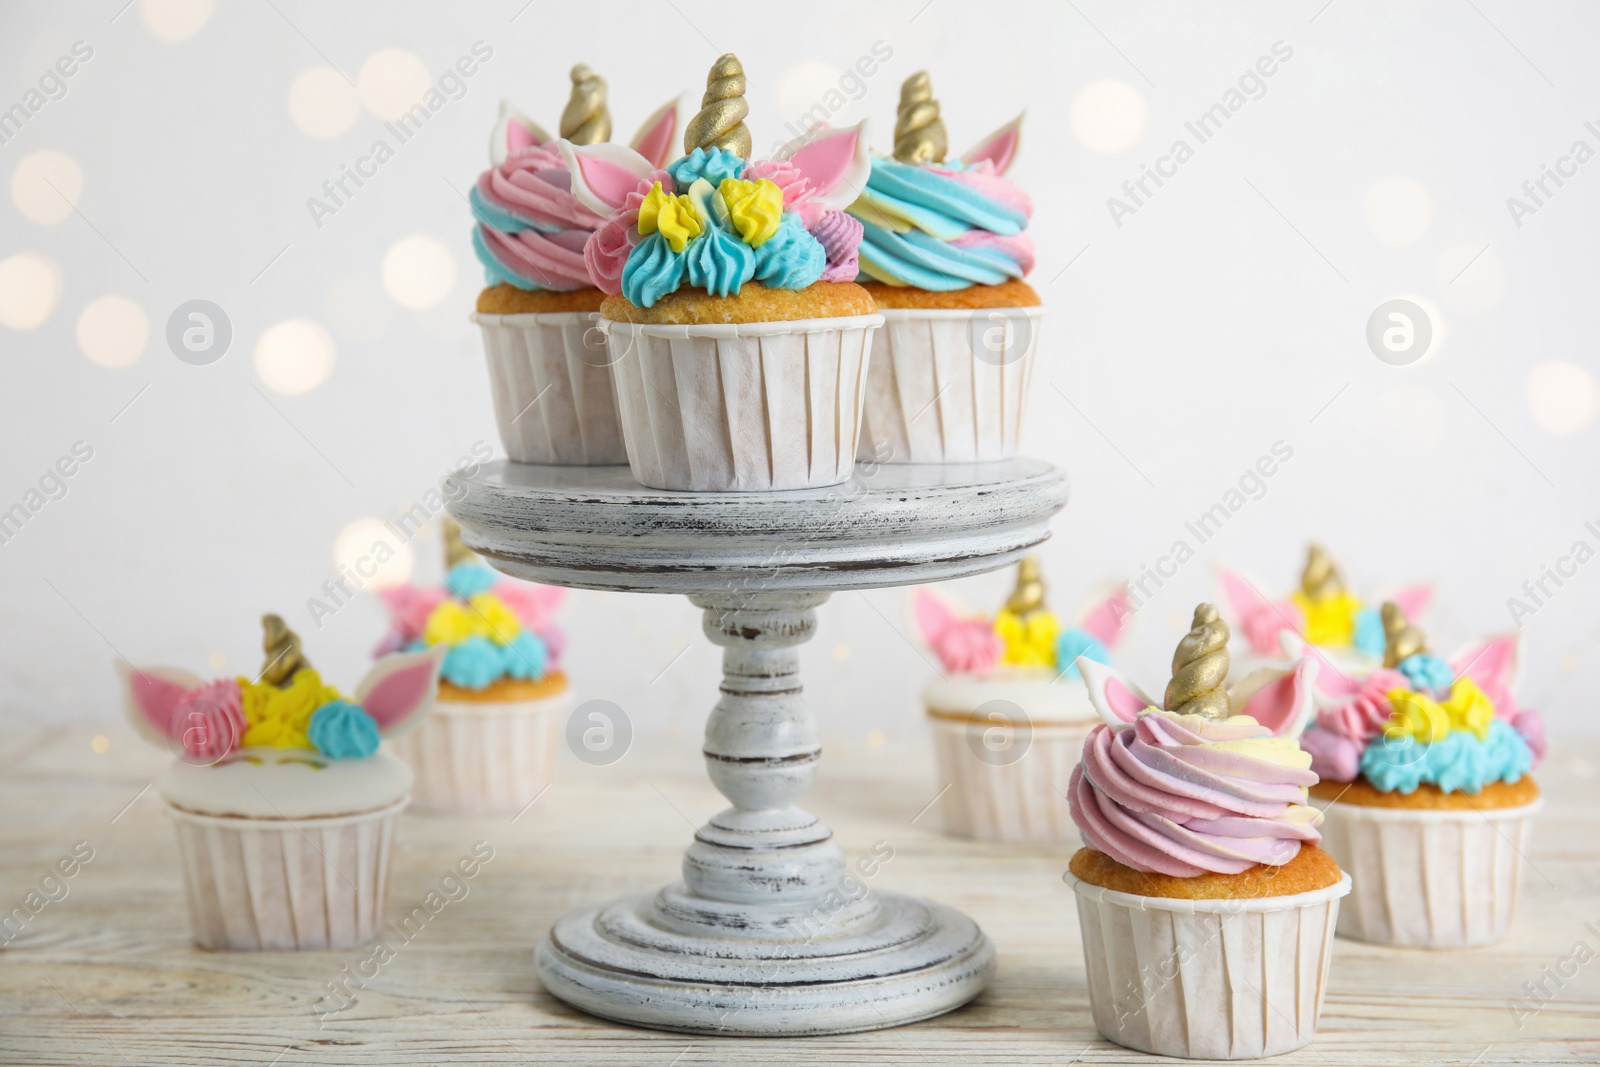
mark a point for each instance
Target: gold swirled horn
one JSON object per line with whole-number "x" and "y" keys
{"x": 455, "y": 549}
{"x": 585, "y": 119}
{"x": 1200, "y": 667}
{"x": 1400, "y": 638}
{"x": 282, "y": 648}
{"x": 1321, "y": 577}
{"x": 1028, "y": 596}
{"x": 919, "y": 135}
{"x": 720, "y": 121}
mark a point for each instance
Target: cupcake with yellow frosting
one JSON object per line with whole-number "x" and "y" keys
{"x": 1009, "y": 711}
{"x": 492, "y": 742}
{"x": 1206, "y": 906}
{"x": 944, "y": 252}
{"x": 737, "y": 335}
{"x": 547, "y": 368}
{"x": 1426, "y": 791}
{"x": 285, "y": 807}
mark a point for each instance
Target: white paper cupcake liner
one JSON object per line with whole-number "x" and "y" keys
{"x": 949, "y": 385}
{"x": 741, "y": 406}
{"x": 483, "y": 757}
{"x": 1207, "y": 979}
{"x": 553, "y": 397}
{"x": 1020, "y": 801}
{"x": 279, "y": 884}
{"x": 1428, "y": 878}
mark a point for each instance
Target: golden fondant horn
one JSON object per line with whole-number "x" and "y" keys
{"x": 585, "y": 120}
{"x": 282, "y": 648}
{"x": 1321, "y": 576}
{"x": 1400, "y": 638}
{"x": 720, "y": 121}
{"x": 919, "y": 135}
{"x": 1028, "y": 596}
{"x": 1200, "y": 667}
{"x": 455, "y": 549}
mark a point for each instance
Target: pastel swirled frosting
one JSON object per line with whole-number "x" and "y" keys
{"x": 1184, "y": 795}
{"x": 942, "y": 227}
{"x": 531, "y": 229}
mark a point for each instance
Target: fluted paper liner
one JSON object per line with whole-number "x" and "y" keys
{"x": 1429, "y": 878}
{"x": 741, "y": 406}
{"x": 553, "y": 398}
{"x": 279, "y": 884}
{"x": 483, "y": 757}
{"x": 1021, "y": 801}
{"x": 949, "y": 386}
{"x": 1207, "y": 979}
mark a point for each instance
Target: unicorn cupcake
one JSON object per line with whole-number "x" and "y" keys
{"x": 492, "y": 741}
{"x": 553, "y": 399}
{"x": 732, "y": 295}
{"x": 944, "y": 252}
{"x": 284, "y": 806}
{"x": 1206, "y": 906}
{"x": 1321, "y": 618}
{"x": 1426, "y": 791}
{"x": 1010, "y": 712}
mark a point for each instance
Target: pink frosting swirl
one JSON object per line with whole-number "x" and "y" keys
{"x": 840, "y": 237}
{"x": 797, "y": 191}
{"x": 1161, "y": 797}
{"x": 968, "y": 646}
{"x": 210, "y": 721}
{"x": 533, "y": 185}
{"x": 545, "y": 248}
{"x": 1343, "y": 731}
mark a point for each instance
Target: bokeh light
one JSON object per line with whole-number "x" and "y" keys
{"x": 173, "y": 21}
{"x": 30, "y": 289}
{"x": 418, "y": 272}
{"x": 45, "y": 185}
{"x": 392, "y": 81}
{"x": 1109, "y": 116}
{"x": 322, "y": 104}
{"x": 372, "y": 555}
{"x": 113, "y": 331}
{"x": 1562, "y": 397}
{"x": 294, "y": 357}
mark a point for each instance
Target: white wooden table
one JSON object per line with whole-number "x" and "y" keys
{"x": 108, "y": 974}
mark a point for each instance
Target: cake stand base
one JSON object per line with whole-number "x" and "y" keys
{"x": 625, "y": 961}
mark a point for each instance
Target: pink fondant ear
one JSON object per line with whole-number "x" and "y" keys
{"x": 1107, "y": 619}
{"x": 999, "y": 148}
{"x": 934, "y": 616}
{"x": 659, "y": 133}
{"x": 1491, "y": 663}
{"x": 1113, "y": 694}
{"x": 1413, "y": 599}
{"x": 1281, "y": 700}
{"x": 513, "y": 132}
{"x": 603, "y": 174}
{"x": 834, "y": 162}
{"x": 151, "y": 697}
{"x": 1240, "y": 593}
{"x": 400, "y": 689}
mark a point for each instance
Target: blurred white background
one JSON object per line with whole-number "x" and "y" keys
{"x": 1227, "y": 312}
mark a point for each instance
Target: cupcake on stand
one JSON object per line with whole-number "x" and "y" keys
{"x": 548, "y": 371}
{"x": 737, "y": 335}
{"x": 491, "y": 744}
{"x": 1426, "y": 791}
{"x": 1321, "y": 618}
{"x": 284, "y": 806}
{"x": 1010, "y": 711}
{"x": 1207, "y": 908}
{"x": 944, "y": 252}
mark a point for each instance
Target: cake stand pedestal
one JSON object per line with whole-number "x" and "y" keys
{"x": 769, "y": 932}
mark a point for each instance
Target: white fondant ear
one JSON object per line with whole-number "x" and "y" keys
{"x": 999, "y": 148}
{"x": 1280, "y": 698}
{"x": 1292, "y": 644}
{"x": 1114, "y": 695}
{"x": 659, "y": 133}
{"x": 834, "y": 162}
{"x": 151, "y": 696}
{"x": 400, "y": 689}
{"x": 513, "y": 131}
{"x": 603, "y": 174}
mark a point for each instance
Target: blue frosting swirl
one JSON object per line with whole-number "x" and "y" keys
{"x": 719, "y": 262}
{"x": 524, "y": 656}
{"x": 790, "y": 258}
{"x": 1456, "y": 763}
{"x": 478, "y": 662}
{"x": 1427, "y": 673}
{"x": 1075, "y": 641}
{"x": 342, "y": 730}
{"x": 467, "y": 580}
{"x": 1369, "y": 638}
{"x": 653, "y": 270}
{"x": 713, "y": 166}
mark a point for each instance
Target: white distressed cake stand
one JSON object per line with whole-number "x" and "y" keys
{"x": 769, "y": 932}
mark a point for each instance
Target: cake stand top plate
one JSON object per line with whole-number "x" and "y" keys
{"x": 890, "y": 525}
